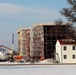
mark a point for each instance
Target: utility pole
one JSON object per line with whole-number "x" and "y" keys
{"x": 12, "y": 41}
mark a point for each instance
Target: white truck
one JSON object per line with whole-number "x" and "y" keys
{"x": 2, "y": 54}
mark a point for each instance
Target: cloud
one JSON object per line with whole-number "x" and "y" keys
{"x": 11, "y": 9}
{"x": 19, "y": 12}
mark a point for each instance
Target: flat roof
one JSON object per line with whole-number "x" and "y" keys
{"x": 22, "y": 29}
{"x": 49, "y": 24}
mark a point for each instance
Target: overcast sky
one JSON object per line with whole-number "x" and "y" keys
{"x": 17, "y": 14}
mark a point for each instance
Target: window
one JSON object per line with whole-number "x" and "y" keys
{"x": 73, "y": 56}
{"x": 73, "y": 48}
{"x": 64, "y": 47}
{"x": 65, "y": 56}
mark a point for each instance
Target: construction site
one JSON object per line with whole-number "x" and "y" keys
{"x": 45, "y": 37}
{"x": 39, "y": 41}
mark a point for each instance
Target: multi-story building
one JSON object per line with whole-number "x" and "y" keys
{"x": 66, "y": 51}
{"x": 37, "y": 42}
{"x": 43, "y": 39}
{"x": 24, "y": 41}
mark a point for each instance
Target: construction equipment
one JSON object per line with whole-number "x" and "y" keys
{"x": 2, "y": 54}
{"x": 10, "y": 54}
{"x": 13, "y": 55}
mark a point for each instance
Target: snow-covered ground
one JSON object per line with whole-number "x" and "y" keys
{"x": 38, "y": 70}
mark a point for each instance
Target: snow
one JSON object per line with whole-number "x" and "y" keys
{"x": 47, "y": 61}
{"x": 38, "y": 70}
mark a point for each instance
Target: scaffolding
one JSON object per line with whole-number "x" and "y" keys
{"x": 51, "y": 34}
{"x": 27, "y": 42}
{"x": 37, "y": 42}
{"x": 44, "y": 37}
{"x": 24, "y": 42}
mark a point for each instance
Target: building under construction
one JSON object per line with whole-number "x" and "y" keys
{"x": 24, "y": 42}
{"x": 37, "y": 42}
{"x": 44, "y": 37}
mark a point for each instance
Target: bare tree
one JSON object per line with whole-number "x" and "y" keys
{"x": 58, "y": 22}
{"x": 70, "y": 13}
{"x": 71, "y": 29}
